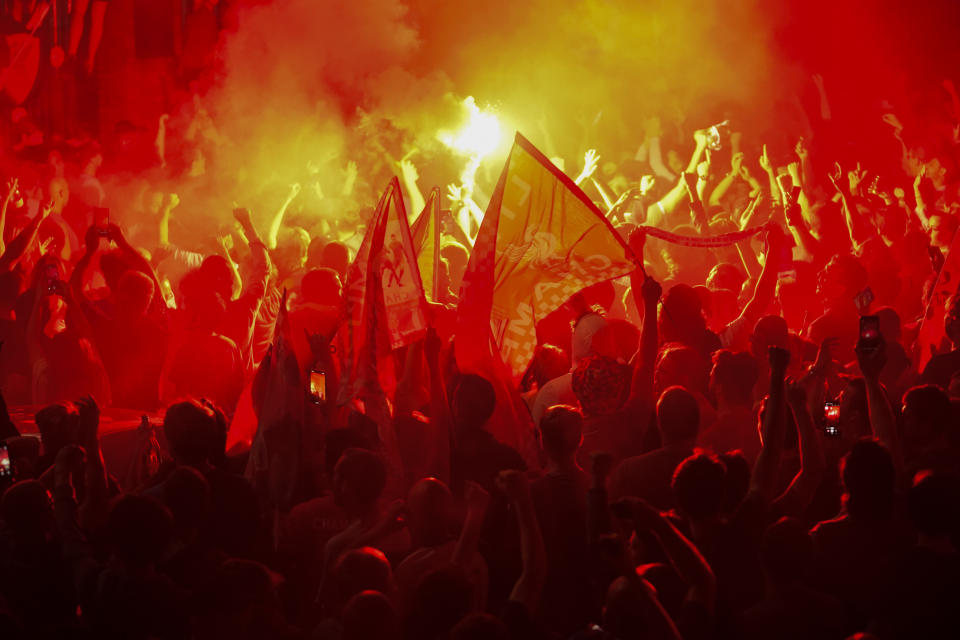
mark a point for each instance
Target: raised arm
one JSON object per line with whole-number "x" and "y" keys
{"x": 607, "y": 200}
{"x": 94, "y": 509}
{"x": 12, "y": 185}
{"x": 684, "y": 556}
{"x": 855, "y": 224}
{"x": 772, "y": 428}
{"x": 921, "y": 208}
{"x": 768, "y": 168}
{"x": 736, "y": 162}
{"x": 138, "y": 262}
{"x": 800, "y": 493}
{"x": 477, "y": 500}
{"x": 18, "y": 246}
{"x": 259, "y": 275}
{"x": 809, "y": 245}
{"x": 274, "y": 233}
{"x": 590, "y": 160}
{"x": 410, "y": 176}
{"x": 766, "y": 286}
{"x": 532, "y": 551}
{"x": 883, "y": 423}
{"x": 699, "y": 213}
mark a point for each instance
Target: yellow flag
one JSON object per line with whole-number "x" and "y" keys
{"x": 541, "y": 241}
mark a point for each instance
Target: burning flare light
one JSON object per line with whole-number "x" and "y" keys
{"x": 479, "y": 137}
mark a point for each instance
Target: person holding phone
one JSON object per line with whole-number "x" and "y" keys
{"x": 131, "y": 330}
{"x": 839, "y": 283}
{"x": 66, "y": 361}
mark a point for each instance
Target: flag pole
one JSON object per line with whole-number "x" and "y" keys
{"x": 436, "y": 244}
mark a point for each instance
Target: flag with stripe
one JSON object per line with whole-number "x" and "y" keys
{"x": 541, "y": 241}
{"x": 384, "y": 303}
{"x": 426, "y": 241}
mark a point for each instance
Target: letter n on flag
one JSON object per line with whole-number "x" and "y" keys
{"x": 384, "y": 304}
{"x": 541, "y": 241}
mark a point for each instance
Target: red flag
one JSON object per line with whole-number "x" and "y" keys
{"x": 426, "y": 241}
{"x": 541, "y": 241}
{"x": 392, "y": 314}
{"x": 274, "y": 464}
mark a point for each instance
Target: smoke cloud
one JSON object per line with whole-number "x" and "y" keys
{"x": 304, "y": 86}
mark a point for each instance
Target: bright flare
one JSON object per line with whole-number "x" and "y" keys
{"x": 479, "y": 137}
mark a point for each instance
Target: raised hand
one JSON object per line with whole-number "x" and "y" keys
{"x": 824, "y": 363}
{"x": 872, "y": 358}
{"x": 113, "y": 232}
{"x": 779, "y": 361}
{"x": 646, "y": 183}
{"x": 636, "y": 241}
{"x": 651, "y": 291}
{"x": 408, "y": 170}
{"x": 294, "y": 191}
{"x": 801, "y": 149}
{"x": 69, "y": 462}
{"x": 920, "y": 176}
{"x": 226, "y": 243}
{"x": 764, "y": 160}
{"x": 836, "y": 177}
{"x": 12, "y": 185}
{"x": 92, "y": 239}
{"x": 89, "y": 421}
{"x": 455, "y": 194}
{"x": 736, "y": 163}
{"x": 476, "y": 497}
{"x": 855, "y": 177}
{"x": 242, "y": 216}
{"x": 590, "y": 161}
{"x": 170, "y": 202}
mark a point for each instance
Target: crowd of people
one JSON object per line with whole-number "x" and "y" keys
{"x": 749, "y": 440}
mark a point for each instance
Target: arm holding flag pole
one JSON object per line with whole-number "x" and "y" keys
{"x": 646, "y": 293}
{"x": 410, "y": 176}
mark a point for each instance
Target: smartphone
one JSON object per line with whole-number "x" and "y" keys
{"x": 870, "y": 337}
{"x": 6, "y": 466}
{"x": 318, "y": 386}
{"x": 101, "y": 220}
{"x": 831, "y": 416}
